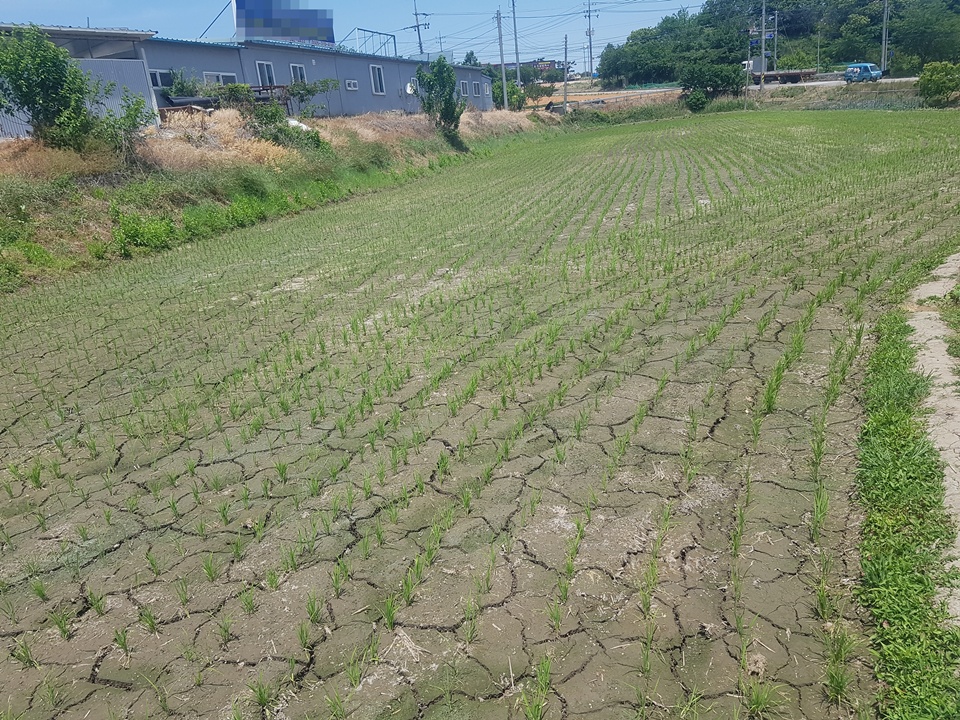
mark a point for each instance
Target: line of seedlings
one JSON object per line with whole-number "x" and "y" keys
{"x": 758, "y": 695}
{"x": 392, "y": 603}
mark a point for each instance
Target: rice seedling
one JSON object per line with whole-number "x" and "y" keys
{"x": 388, "y": 610}
{"x": 225, "y": 629}
{"x": 182, "y": 591}
{"x": 148, "y": 619}
{"x": 23, "y": 653}
{"x": 534, "y": 703}
{"x": 555, "y": 614}
{"x": 211, "y": 568}
{"x": 248, "y": 601}
{"x": 262, "y": 694}
{"x": 314, "y": 608}
{"x": 121, "y": 640}
{"x": 762, "y": 700}
{"x": 336, "y": 705}
{"x": 39, "y": 588}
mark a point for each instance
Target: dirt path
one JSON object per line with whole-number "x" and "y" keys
{"x": 930, "y": 334}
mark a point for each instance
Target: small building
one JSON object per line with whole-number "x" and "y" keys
{"x": 144, "y": 64}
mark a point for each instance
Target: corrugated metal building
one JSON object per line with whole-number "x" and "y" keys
{"x": 142, "y": 63}
{"x": 108, "y": 54}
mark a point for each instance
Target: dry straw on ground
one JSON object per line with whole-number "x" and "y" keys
{"x": 29, "y": 159}
{"x": 190, "y": 141}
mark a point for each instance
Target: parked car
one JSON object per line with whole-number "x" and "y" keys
{"x": 862, "y": 72}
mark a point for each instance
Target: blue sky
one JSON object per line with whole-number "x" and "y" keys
{"x": 459, "y": 26}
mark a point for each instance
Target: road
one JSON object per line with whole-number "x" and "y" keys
{"x": 833, "y": 83}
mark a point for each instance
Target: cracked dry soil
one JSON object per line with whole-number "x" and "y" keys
{"x": 351, "y": 465}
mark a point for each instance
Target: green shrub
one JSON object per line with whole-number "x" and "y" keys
{"x": 295, "y": 137}
{"x": 246, "y": 211}
{"x": 368, "y": 156}
{"x": 205, "y": 220}
{"x": 11, "y": 277}
{"x": 939, "y": 83}
{"x": 132, "y": 230}
{"x": 184, "y": 85}
{"x": 697, "y": 100}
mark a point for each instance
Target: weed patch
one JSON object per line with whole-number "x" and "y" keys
{"x": 900, "y": 483}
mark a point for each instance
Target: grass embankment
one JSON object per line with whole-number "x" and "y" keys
{"x": 61, "y": 211}
{"x": 906, "y": 529}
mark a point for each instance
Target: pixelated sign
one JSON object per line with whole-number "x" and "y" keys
{"x": 282, "y": 20}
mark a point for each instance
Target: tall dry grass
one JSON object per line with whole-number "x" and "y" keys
{"x": 195, "y": 141}
{"x": 31, "y": 159}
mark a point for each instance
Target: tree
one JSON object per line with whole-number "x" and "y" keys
{"x": 302, "y": 93}
{"x": 516, "y": 97}
{"x": 439, "y": 95}
{"x": 536, "y": 92}
{"x": 927, "y": 29}
{"x": 939, "y": 83}
{"x": 62, "y": 105}
{"x": 40, "y": 81}
{"x": 470, "y": 59}
{"x": 712, "y": 80}
{"x": 553, "y": 76}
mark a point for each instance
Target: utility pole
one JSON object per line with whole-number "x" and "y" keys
{"x": 590, "y": 35}
{"x": 516, "y": 41}
{"x": 503, "y": 65}
{"x": 776, "y": 37}
{"x": 425, "y": 26}
{"x": 566, "y": 73}
{"x": 763, "y": 45}
{"x": 883, "y": 50}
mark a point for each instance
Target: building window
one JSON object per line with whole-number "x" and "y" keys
{"x": 414, "y": 85}
{"x": 463, "y": 88}
{"x": 214, "y": 78}
{"x": 376, "y": 80}
{"x": 476, "y": 89}
{"x": 161, "y": 78}
{"x": 486, "y": 89}
{"x": 352, "y": 85}
{"x": 298, "y": 73}
{"x": 265, "y": 74}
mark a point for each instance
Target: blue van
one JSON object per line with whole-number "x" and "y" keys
{"x": 862, "y": 72}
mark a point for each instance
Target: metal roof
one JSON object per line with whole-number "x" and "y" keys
{"x": 66, "y": 32}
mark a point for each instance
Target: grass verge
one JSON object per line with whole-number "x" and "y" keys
{"x": 900, "y": 482}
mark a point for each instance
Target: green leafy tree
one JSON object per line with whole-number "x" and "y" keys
{"x": 536, "y": 93}
{"x": 440, "y": 96}
{"x": 939, "y": 83}
{"x": 63, "y": 106}
{"x": 929, "y": 30}
{"x": 515, "y": 96}
{"x": 553, "y": 76}
{"x": 41, "y": 82}
{"x": 302, "y": 93}
{"x": 470, "y": 59}
{"x": 712, "y": 80}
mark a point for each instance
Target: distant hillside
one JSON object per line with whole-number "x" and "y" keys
{"x": 835, "y": 31}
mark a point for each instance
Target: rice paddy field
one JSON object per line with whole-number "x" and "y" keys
{"x": 566, "y": 430}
